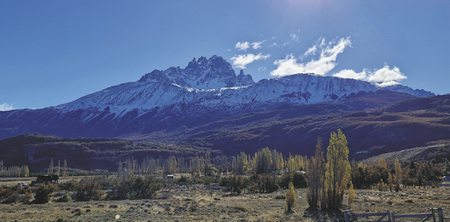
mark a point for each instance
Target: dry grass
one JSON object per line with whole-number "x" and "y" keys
{"x": 200, "y": 203}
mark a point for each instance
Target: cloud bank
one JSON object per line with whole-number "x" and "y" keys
{"x": 321, "y": 66}
{"x": 383, "y": 77}
{"x": 241, "y": 61}
{"x": 327, "y": 61}
{"x": 6, "y": 107}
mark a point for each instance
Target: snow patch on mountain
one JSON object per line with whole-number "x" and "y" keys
{"x": 212, "y": 83}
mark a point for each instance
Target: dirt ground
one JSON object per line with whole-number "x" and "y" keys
{"x": 210, "y": 203}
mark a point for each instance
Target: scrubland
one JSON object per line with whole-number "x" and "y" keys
{"x": 212, "y": 202}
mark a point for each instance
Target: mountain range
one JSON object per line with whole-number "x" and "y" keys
{"x": 207, "y": 105}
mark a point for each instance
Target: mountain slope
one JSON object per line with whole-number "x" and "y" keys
{"x": 164, "y": 100}
{"x": 296, "y": 128}
{"x": 198, "y": 105}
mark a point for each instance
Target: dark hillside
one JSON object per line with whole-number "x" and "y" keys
{"x": 295, "y": 128}
{"x": 36, "y": 151}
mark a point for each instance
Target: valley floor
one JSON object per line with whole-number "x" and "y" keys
{"x": 209, "y": 203}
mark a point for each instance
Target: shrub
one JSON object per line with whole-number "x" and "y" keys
{"x": 351, "y": 195}
{"x": 44, "y": 193}
{"x": 263, "y": 183}
{"x": 86, "y": 191}
{"x": 183, "y": 179}
{"x": 297, "y": 179}
{"x": 133, "y": 188}
{"x": 65, "y": 198}
{"x": 5, "y": 193}
{"x": 234, "y": 183}
{"x": 17, "y": 195}
{"x": 290, "y": 197}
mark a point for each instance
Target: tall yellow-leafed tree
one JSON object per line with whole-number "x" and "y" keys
{"x": 290, "y": 197}
{"x": 337, "y": 174}
{"x": 315, "y": 177}
{"x": 398, "y": 174}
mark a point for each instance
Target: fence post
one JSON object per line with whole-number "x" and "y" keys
{"x": 347, "y": 219}
{"x": 440, "y": 214}
{"x": 389, "y": 215}
{"x": 434, "y": 216}
{"x": 393, "y": 217}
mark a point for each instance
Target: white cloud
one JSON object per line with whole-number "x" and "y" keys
{"x": 257, "y": 45}
{"x": 386, "y": 76}
{"x": 381, "y": 77}
{"x": 311, "y": 51}
{"x": 6, "y": 107}
{"x": 325, "y": 63}
{"x": 241, "y": 61}
{"x": 294, "y": 37}
{"x": 351, "y": 74}
{"x": 242, "y": 46}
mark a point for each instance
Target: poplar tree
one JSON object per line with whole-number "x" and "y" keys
{"x": 58, "y": 170}
{"x": 315, "y": 177}
{"x": 50, "y": 168}
{"x": 337, "y": 175}
{"x": 351, "y": 195}
{"x": 64, "y": 168}
{"x": 398, "y": 174}
{"x": 290, "y": 197}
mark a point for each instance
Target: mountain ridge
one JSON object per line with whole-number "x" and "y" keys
{"x": 165, "y": 101}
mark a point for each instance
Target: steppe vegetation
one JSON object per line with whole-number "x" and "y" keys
{"x": 265, "y": 186}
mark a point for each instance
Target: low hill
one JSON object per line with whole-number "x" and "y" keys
{"x": 37, "y": 150}
{"x": 436, "y": 153}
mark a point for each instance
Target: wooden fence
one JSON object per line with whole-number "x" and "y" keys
{"x": 390, "y": 217}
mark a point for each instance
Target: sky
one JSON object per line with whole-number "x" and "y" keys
{"x": 53, "y": 52}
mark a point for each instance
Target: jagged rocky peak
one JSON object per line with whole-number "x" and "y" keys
{"x": 155, "y": 76}
{"x": 405, "y": 89}
{"x": 202, "y": 73}
{"x": 243, "y": 79}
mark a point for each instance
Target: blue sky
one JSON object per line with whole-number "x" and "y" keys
{"x": 53, "y": 52}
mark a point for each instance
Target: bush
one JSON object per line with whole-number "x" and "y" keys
{"x": 65, "y": 198}
{"x": 351, "y": 195}
{"x": 133, "y": 188}
{"x": 263, "y": 183}
{"x": 183, "y": 179}
{"x": 18, "y": 195}
{"x": 298, "y": 179}
{"x": 44, "y": 193}
{"x": 90, "y": 190}
{"x": 234, "y": 183}
{"x": 5, "y": 193}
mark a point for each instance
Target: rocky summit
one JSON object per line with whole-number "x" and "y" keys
{"x": 206, "y": 90}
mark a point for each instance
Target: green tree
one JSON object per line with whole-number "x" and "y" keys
{"x": 446, "y": 169}
{"x": 64, "y": 168}
{"x": 398, "y": 174}
{"x": 337, "y": 174}
{"x": 315, "y": 177}
{"x": 264, "y": 160}
{"x": 351, "y": 195}
{"x": 44, "y": 193}
{"x": 290, "y": 197}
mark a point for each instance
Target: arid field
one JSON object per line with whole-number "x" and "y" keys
{"x": 213, "y": 203}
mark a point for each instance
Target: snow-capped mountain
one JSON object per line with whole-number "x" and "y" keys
{"x": 213, "y": 83}
{"x": 205, "y": 90}
{"x": 212, "y": 73}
